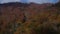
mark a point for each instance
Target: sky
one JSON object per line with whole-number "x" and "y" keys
{"x": 28, "y": 1}
{"x": 44, "y": 1}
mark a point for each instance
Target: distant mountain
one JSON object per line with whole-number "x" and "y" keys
{"x": 22, "y": 18}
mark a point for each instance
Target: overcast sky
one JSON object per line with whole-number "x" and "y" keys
{"x": 35, "y": 1}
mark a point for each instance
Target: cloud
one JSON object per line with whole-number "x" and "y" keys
{"x": 6, "y": 1}
{"x": 35, "y": 1}
{"x": 44, "y": 1}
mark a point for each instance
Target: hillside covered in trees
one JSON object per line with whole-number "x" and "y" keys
{"x": 22, "y": 18}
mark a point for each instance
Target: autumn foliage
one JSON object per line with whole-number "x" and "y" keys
{"x": 21, "y": 18}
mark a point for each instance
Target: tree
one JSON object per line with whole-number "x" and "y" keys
{"x": 57, "y": 4}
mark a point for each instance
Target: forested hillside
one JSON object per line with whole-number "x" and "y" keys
{"x": 22, "y": 18}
